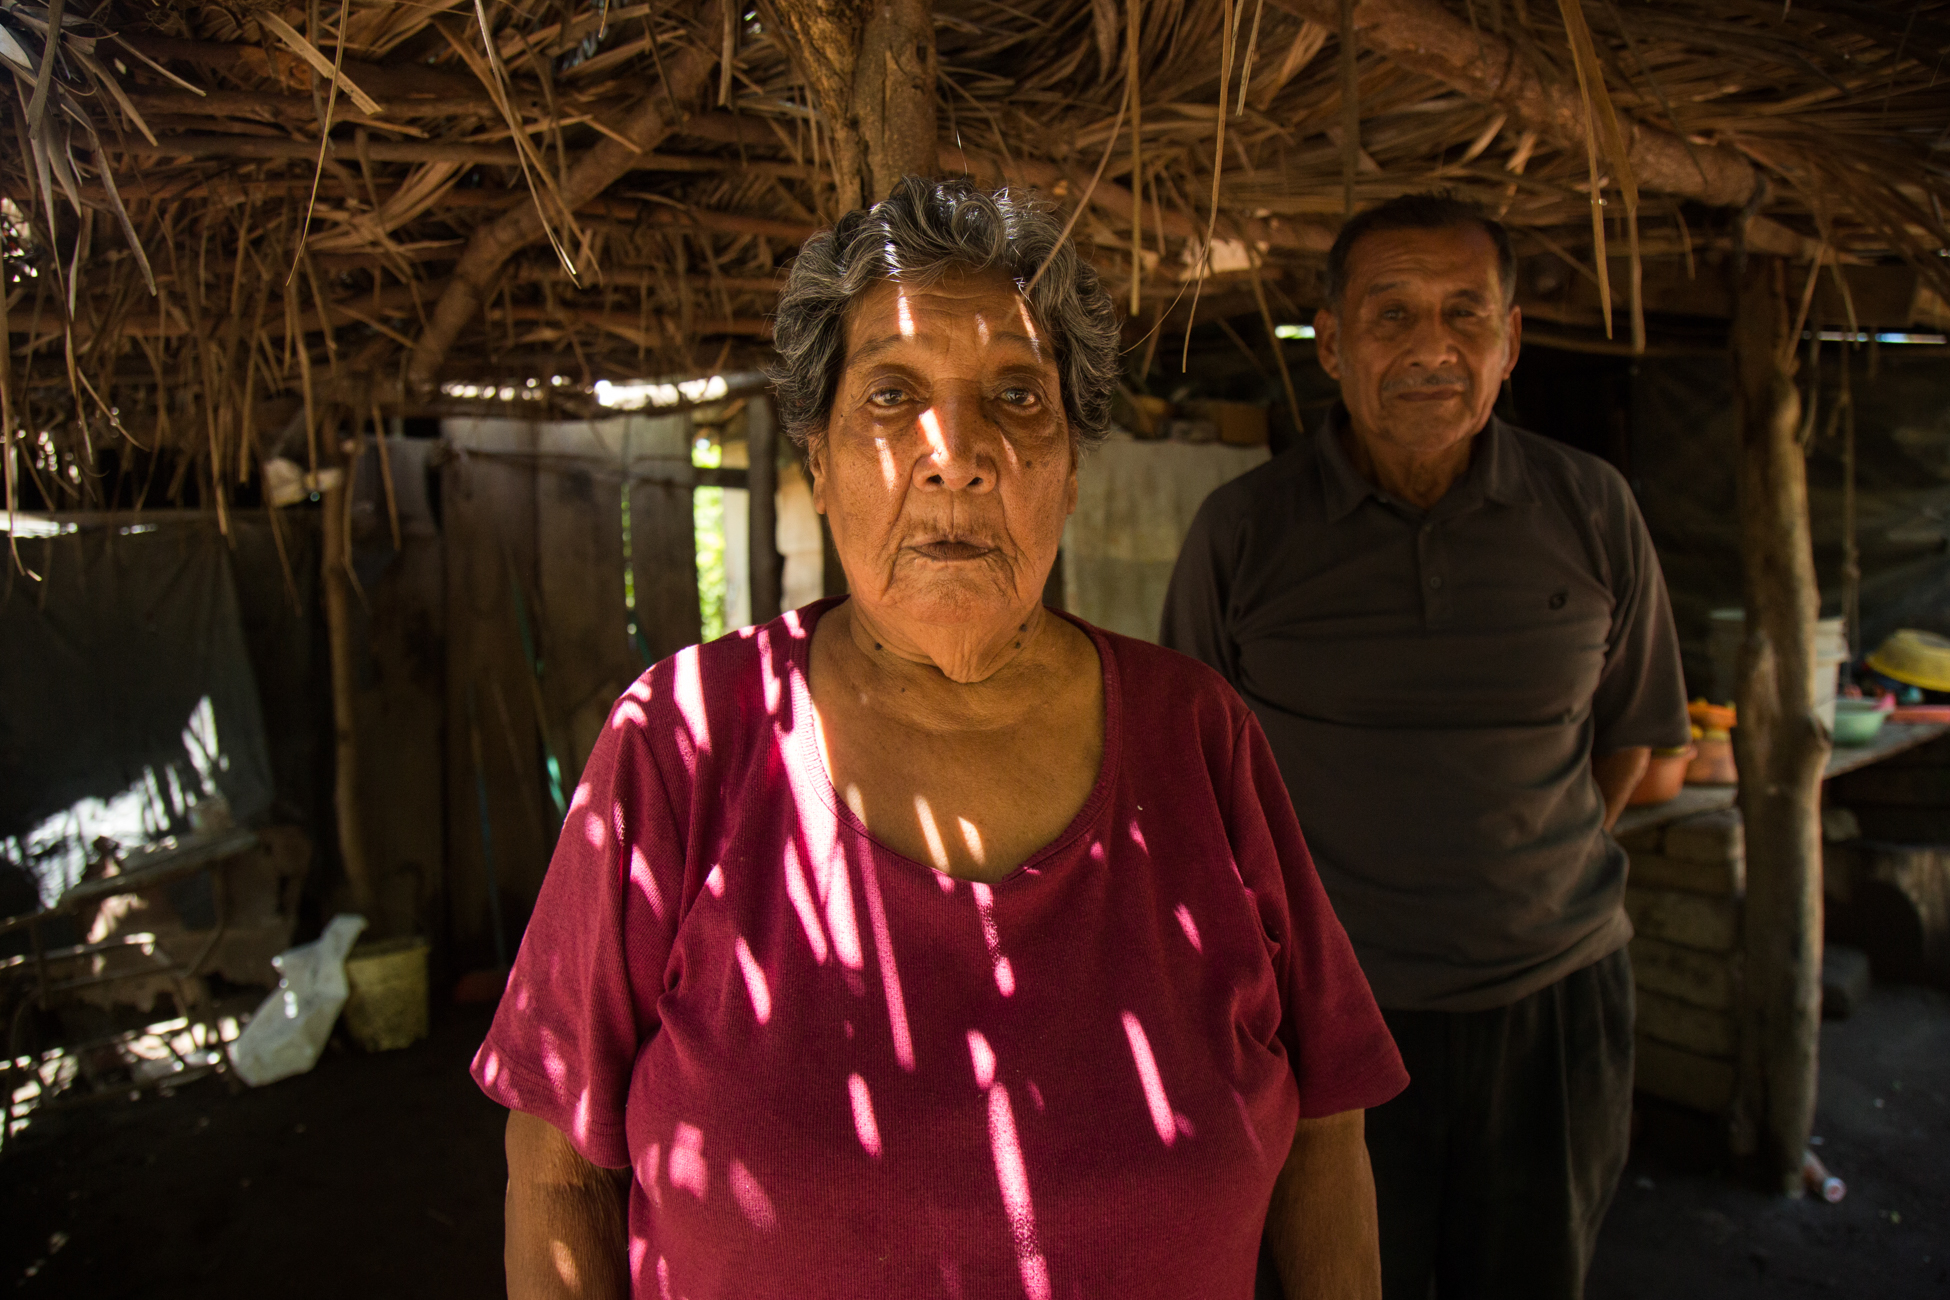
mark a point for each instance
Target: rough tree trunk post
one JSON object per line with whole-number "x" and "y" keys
{"x": 337, "y": 493}
{"x": 762, "y": 479}
{"x": 1780, "y": 743}
{"x": 872, "y": 69}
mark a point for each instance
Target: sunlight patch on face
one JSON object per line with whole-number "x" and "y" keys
{"x": 1029, "y": 325}
{"x": 937, "y": 441}
{"x": 937, "y": 850}
{"x": 890, "y": 472}
{"x": 905, "y": 311}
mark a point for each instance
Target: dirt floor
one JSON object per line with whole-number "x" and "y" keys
{"x": 381, "y": 1176}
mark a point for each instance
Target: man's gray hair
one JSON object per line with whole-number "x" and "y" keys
{"x": 920, "y": 232}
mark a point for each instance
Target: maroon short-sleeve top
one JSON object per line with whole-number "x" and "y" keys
{"x": 837, "y": 1072}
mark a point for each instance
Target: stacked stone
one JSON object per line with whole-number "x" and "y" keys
{"x": 1684, "y": 895}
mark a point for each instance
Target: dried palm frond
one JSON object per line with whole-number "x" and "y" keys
{"x": 419, "y": 125}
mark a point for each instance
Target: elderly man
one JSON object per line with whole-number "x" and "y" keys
{"x": 1456, "y": 636}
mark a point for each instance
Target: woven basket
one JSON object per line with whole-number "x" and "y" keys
{"x": 388, "y": 1006}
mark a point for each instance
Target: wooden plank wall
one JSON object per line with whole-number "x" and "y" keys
{"x": 400, "y": 673}
{"x": 488, "y": 509}
{"x": 538, "y": 508}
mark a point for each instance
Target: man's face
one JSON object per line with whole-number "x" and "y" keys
{"x": 1423, "y": 338}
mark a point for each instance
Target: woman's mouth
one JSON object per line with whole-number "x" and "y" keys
{"x": 952, "y": 550}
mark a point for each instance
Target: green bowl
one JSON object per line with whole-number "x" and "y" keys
{"x": 1857, "y": 721}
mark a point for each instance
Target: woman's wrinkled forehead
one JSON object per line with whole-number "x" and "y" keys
{"x": 900, "y": 314}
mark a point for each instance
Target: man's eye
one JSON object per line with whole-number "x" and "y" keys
{"x": 1018, "y": 396}
{"x": 887, "y": 396}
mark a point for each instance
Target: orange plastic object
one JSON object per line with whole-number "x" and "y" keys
{"x": 1712, "y": 717}
{"x": 1713, "y": 765}
{"x": 1921, "y": 713}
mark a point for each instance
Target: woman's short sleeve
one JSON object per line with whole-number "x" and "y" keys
{"x": 582, "y": 997}
{"x": 1342, "y": 1055}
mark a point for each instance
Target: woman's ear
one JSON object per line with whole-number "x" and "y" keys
{"x": 816, "y": 465}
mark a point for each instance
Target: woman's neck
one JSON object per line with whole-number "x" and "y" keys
{"x": 963, "y": 653}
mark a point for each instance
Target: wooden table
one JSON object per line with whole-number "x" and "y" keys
{"x": 1894, "y": 738}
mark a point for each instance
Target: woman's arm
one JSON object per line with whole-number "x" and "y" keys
{"x": 1322, "y": 1221}
{"x": 568, "y": 1231}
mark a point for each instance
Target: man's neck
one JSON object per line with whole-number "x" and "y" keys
{"x": 1410, "y": 474}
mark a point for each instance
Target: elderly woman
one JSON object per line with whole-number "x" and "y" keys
{"x": 927, "y": 942}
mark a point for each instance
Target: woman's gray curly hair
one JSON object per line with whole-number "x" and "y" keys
{"x": 919, "y": 232}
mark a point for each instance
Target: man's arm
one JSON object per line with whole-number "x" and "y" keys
{"x": 1618, "y": 774}
{"x": 1321, "y": 1223}
{"x": 567, "y": 1225}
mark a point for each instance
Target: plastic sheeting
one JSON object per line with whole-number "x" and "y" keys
{"x": 127, "y": 696}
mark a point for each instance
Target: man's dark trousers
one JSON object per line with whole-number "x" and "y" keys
{"x": 1494, "y": 1169}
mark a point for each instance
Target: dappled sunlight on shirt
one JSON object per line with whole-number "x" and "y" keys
{"x": 774, "y": 1021}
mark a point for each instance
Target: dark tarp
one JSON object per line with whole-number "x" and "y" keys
{"x": 120, "y": 665}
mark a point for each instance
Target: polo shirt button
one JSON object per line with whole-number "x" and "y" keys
{"x": 1436, "y": 582}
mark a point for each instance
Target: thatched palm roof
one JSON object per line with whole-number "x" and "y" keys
{"x": 599, "y": 193}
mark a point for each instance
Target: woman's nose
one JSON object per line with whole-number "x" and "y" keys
{"x": 958, "y": 455}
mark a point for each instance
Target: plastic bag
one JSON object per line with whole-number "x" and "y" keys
{"x": 290, "y": 1028}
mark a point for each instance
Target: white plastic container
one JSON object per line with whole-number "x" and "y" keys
{"x": 1729, "y": 629}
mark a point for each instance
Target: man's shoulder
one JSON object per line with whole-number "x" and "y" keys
{"x": 1559, "y": 466}
{"x": 1277, "y": 484}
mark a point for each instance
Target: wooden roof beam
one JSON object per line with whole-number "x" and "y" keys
{"x": 1424, "y": 37}
{"x": 643, "y": 127}
{"x": 1116, "y": 200}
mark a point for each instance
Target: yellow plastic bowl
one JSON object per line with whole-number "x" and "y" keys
{"x": 1915, "y": 659}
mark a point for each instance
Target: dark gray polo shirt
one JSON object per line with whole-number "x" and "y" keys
{"x": 1434, "y": 685}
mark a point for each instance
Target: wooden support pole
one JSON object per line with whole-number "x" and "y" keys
{"x": 762, "y": 482}
{"x": 1780, "y": 744}
{"x": 334, "y": 557}
{"x": 872, "y": 71}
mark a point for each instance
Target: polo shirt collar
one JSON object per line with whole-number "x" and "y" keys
{"x": 1495, "y": 473}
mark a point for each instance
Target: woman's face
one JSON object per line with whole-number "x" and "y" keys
{"x": 946, "y": 468}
